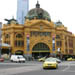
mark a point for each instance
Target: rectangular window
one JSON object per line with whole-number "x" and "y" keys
{"x": 36, "y": 33}
{"x": 19, "y": 43}
{"x": 58, "y": 44}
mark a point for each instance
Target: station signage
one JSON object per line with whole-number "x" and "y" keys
{"x": 53, "y": 42}
{"x": 28, "y": 42}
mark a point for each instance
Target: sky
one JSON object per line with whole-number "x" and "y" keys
{"x": 63, "y": 10}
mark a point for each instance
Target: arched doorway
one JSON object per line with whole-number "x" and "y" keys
{"x": 40, "y": 50}
{"x": 19, "y": 52}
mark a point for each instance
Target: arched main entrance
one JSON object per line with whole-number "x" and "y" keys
{"x": 40, "y": 50}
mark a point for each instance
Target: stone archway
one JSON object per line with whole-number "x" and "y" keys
{"x": 19, "y": 52}
{"x": 40, "y": 50}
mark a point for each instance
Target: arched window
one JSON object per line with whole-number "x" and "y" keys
{"x": 7, "y": 36}
{"x": 40, "y": 47}
{"x": 19, "y": 36}
{"x": 57, "y": 37}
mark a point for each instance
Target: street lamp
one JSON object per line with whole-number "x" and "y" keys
{"x": 58, "y": 52}
{"x": 9, "y": 51}
{"x": 0, "y": 50}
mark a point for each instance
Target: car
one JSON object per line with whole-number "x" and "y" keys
{"x": 50, "y": 63}
{"x": 70, "y": 59}
{"x": 17, "y": 58}
{"x": 73, "y": 59}
{"x": 42, "y": 59}
{"x": 56, "y": 59}
{"x": 1, "y": 60}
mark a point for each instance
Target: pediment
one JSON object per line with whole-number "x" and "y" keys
{"x": 41, "y": 24}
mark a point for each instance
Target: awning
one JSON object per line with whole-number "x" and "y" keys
{"x": 4, "y": 45}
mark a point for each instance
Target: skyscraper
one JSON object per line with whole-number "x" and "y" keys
{"x": 22, "y": 9}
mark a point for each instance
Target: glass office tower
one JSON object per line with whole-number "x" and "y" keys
{"x": 22, "y": 9}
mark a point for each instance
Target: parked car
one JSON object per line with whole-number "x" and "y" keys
{"x": 1, "y": 60}
{"x": 50, "y": 63}
{"x": 70, "y": 59}
{"x": 42, "y": 59}
{"x": 5, "y": 56}
{"x": 17, "y": 58}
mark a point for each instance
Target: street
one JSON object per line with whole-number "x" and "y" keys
{"x": 35, "y": 68}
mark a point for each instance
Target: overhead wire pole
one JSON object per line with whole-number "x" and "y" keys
{"x": 0, "y": 39}
{"x": 0, "y": 51}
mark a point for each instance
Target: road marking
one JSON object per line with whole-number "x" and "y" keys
{"x": 70, "y": 71}
{"x": 69, "y": 64}
{"x": 35, "y": 67}
{"x": 63, "y": 71}
{"x": 67, "y": 68}
{"x": 19, "y": 70}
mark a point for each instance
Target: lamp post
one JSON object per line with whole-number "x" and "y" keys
{"x": 59, "y": 52}
{"x": 0, "y": 50}
{"x": 9, "y": 51}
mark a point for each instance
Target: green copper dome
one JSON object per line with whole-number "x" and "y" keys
{"x": 39, "y": 13}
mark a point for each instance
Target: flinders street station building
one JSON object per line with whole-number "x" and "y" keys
{"x": 38, "y": 36}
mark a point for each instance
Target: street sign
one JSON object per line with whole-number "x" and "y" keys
{"x": 53, "y": 42}
{"x": 27, "y": 35}
{"x": 28, "y": 42}
{"x": 53, "y": 36}
{"x": 58, "y": 49}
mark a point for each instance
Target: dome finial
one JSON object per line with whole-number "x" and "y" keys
{"x": 37, "y": 5}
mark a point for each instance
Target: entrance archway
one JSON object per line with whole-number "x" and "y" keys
{"x": 19, "y": 52}
{"x": 40, "y": 50}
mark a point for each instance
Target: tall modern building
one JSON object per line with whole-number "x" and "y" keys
{"x": 22, "y": 9}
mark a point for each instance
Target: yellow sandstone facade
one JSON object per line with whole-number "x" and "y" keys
{"x": 39, "y": 36}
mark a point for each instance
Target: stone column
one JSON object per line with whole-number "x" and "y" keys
{"x": 53, "y": 52}
{"x": 63, "y": 44}
{"x": 26, "y": 41}
{"x": 68, "y": 44}
{"x": 12, "y": 37}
